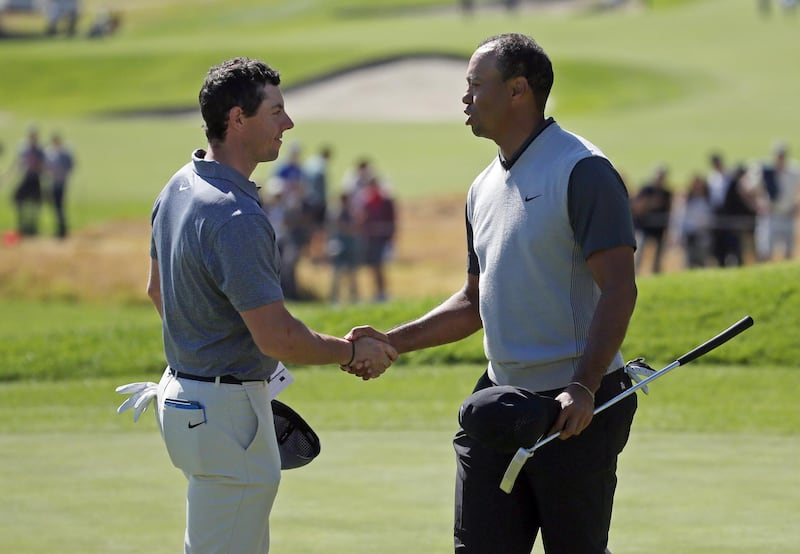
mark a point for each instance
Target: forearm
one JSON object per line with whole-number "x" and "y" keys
{"x": 606, "y": 333}
{"x": 294, "y": 343}
{"x": 456, "y": 318}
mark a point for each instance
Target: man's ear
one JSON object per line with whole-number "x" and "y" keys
{"x": 519, "y": 87}
{"x": 235, "y": 117}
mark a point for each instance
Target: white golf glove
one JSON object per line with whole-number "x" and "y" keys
{"x": 637, "y": 370}
{"x": 142, "y": 394}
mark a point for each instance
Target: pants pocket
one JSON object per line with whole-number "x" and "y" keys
{"x": 183, "y": 423}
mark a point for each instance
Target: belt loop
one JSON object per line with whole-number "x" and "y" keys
{"x": 216, "y": 381}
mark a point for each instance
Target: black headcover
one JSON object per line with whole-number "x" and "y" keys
{"x": 507, "y": 418}
{"x": 297, "y": 442}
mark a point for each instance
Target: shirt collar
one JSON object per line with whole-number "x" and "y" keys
{"x": 536, "y": 132}
{"x": 212, "y": 169}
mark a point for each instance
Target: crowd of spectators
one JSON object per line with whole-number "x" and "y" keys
{"x": 356, "y": 231}
{"x": 786, "y": 6}
{"x": 725, "y": 217}
{"x": 42, "y": 173}
{"x": 63, "y": 17}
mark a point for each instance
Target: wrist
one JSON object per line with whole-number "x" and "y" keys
{"x": 352, "y": 354}
{"x": 397, "y": 341}
{"x": 583, "y": 387}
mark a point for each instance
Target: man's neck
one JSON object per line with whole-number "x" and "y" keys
{"x": 227, "y": 155}
{"x": 522, "y": 140}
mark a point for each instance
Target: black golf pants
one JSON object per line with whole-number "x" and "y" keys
{"x": 566, "y": 490}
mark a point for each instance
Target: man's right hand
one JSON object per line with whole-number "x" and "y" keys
{"x": 373, "y": 355}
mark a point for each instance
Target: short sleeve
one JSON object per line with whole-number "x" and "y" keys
{"x": 599, "y": 207}
{"x": 244, "y": 262}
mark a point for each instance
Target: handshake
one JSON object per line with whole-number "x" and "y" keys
{"x": 372, "y": 353}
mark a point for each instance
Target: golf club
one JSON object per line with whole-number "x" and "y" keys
{"x": 522, "y": 455}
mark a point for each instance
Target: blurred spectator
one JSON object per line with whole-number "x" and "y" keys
{"x": 294, "y": 236}
{"x": 343, "y": 249}
{"x": 717, "y": 180}
{"x": 316, "y": 180}
{"x": 28, "y": 195}
{"x": 59, "y": 163}
{"x": 291, "y": 170}
{"x": 354, "y": 183}
{"x": 356, "y": 179}
{"x": 61, "y": 11}
{"x": 289, "y": 190}
{"x": 735, "y": 220}
{"x": 376, "y": 222}
{"x": 271, "y": 199}
{"x": 695, "y": 221}
{"x": 105, "y": 23}
{"x": 781, "y": 183}
{"x": 765, "y": 6}
{"x": 651, "y": 209}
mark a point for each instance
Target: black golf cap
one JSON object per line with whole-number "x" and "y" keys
{"x": 298, "y": 444}
{"x": 507, "y": 418}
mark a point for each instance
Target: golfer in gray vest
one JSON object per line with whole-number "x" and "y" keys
{"x": 550, "y": 279}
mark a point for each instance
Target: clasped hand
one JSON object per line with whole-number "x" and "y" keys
{"x": 373, "y": 354}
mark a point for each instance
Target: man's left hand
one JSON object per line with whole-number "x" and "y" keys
{"x": 577, "y": 409}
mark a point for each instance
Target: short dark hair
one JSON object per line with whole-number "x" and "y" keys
{"x": 235, "y": 82}
{"x": 519, "y": 55}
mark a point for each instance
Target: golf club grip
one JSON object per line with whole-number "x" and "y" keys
{"x": 722, "y": 338}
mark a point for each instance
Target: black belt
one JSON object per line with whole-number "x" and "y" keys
{"x": 227, "y": 379}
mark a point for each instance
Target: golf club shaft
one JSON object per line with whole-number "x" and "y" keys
{"x": 524, "y": 453}
{"x": 611, "y": 402}
{"x": 706, "y": 347}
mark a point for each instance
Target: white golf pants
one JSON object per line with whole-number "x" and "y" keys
{"x": 223, "y": 439}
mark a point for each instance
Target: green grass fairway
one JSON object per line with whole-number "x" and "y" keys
{"x": 709, "y": 467}
{"x": 706, "y": 493}
{"x": 389, "y": 492}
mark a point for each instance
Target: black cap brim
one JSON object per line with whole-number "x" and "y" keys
{"x": 507, "y": 418}
{"x": 298, "y": 444}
